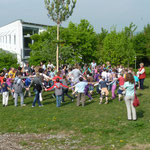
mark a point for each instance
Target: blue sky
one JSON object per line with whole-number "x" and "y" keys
{"x": 100, "y": 13}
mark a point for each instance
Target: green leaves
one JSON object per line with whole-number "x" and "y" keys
{"x": 118, "y": 49}
{"x": 60, "y": 10}
{"x": 7, "y": 60}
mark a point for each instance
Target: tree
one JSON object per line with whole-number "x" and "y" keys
{"x": 59, "y": 11}
{"x": 82, "y": 40}
{"x": 100, "y": 38}
{"x": 118, "y": 49}
{"x": 43, "y": 46}
{"x": 7, "y": 60}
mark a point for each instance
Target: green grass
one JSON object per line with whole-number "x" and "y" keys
{"x": 92, "y": 127}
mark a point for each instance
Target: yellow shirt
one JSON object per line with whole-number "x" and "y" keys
{"x": 13, "y": 74}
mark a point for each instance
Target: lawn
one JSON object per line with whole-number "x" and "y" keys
{"x": 70, "y": 127}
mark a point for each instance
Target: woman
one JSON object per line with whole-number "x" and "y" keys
{"x": 129, "y": 96}
{"x": 142, "y": 75}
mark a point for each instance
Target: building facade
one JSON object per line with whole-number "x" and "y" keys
{"x": 16, "y": 37}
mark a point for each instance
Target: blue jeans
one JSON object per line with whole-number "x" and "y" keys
{"x": 58, "y": 100}
{"x": 141, "y": 84}
{"x": 37, "y": 95}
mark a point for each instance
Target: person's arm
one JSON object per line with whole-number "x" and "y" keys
{"x": 64, "y": 85}
{"x": 142, "y": 71}
{"x": 51, "y": 88}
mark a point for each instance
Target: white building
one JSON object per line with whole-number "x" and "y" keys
{"x": 15, "y": 38}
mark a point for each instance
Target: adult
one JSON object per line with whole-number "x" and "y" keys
{"x": 76, "y": 73}
{"x": 129, "y": 96}
{"x": 50, "y": 65}
{"x": 93, "y": 66}
{"x": 142, "y": 75}
{"x": 37, "y": 83}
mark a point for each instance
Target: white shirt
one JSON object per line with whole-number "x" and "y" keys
{"x": 93, "y": 65}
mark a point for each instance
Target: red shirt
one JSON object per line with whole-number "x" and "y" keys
{"x": 54, "y": 79}
{"x": 1, "y": 80}
{"x": 121, "y": 81}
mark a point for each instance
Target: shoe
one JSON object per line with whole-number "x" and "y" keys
{"x": 33, "y": 106}
{"x": 106, "y": 102}
{"x": 23, "y": 105}
{"x": 40, "y": 105}
{"x": 100, "y": 103}
{"x": 72, "y": 100}
{"x": 3, "y": 105}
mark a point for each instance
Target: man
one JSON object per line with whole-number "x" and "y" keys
{"x": 37, "y": 83}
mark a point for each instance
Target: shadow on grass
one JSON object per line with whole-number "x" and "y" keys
{"x": 146, "y": 87}
{"x": 140, "y": 113}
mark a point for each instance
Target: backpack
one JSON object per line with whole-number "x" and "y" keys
{"x": 38, "y": 87}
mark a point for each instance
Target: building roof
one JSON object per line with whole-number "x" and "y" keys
{"x": 29, "y": 23}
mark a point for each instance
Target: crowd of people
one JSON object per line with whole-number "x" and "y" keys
{"x": 121, "y": 82}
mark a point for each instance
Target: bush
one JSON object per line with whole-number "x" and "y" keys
{"x": 147, "y": 69}
{"x": 7, "y": 60}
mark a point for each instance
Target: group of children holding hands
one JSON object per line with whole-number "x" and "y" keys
{"x": 80, "y": 80}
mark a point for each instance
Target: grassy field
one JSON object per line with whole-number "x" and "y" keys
{"x": 69, "y": 127}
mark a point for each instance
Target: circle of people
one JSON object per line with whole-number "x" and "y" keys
{"x": 80, "y": 80}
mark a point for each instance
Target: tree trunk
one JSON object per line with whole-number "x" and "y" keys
{"x": 57, "y": 52}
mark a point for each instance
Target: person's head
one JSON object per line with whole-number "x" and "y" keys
{"x": 129, "y": 78}
{"x": 64, "y": 77}
{"x": 40, "y": 70}
{"x": 13, "y": 69}
{"x": 19, "y": 74}
{"x": 80, "y": 79}
{"x": 141, "y": 64}
{"x": 58, "y": 73}
{"x": 38, "y": 74}
{"x": 57, "y": 80}
{"x": 134, "y": 73}
{"x": 4, "y": 80}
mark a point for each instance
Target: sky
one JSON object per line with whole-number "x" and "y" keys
{"x": 100, "y": 13}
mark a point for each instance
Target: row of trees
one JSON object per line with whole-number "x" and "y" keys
{"x": 79, "y": 43}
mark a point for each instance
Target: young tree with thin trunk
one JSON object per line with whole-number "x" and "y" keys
{"x": 59, "y": 11}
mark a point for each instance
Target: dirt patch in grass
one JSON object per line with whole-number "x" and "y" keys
{"x": 62, "y": 140}
{"x": 29, "y": 141}
{"x": 137, "y": 147}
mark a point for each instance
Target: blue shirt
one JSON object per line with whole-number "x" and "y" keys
{"x": 80, "y": 87}
{"x": 4, "y": 87}
{"x": 129, "y": 88}
{"x": 136, "y": 79}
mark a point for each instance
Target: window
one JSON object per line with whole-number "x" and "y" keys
{"x": 9, "y": 39}
{"x": 6, "y": 39}
{"x": 15, "y": 39}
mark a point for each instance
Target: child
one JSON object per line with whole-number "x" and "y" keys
{"x": 80, "y": 87}
{"x": 65, "y": 90}
{"x": 58, "y": 91}
{"x": 104, "y": 90}
{"x": 136, "y": 80}
{"x": 5, "y": 93}
{"x": 114, "y": 84}
{"x": 121, "y": 84}
{"x": 27, "y": 83}
{"x": 86, "y": 90}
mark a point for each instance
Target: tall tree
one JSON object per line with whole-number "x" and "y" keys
{"x": 59, "y": 11}
{"x": 82, "y": 40}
